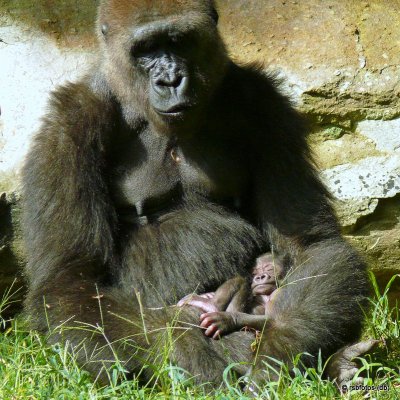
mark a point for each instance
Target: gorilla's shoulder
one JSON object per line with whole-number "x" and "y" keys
{"x": 78, "y": 97}
{"x": 77, "y": 111}
{"x": 258, "y": 86}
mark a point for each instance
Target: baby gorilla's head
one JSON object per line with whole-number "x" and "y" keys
{"x": 267, "y": 271}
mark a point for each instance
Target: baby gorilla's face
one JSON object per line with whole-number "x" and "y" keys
{"x": 265, "y": 274}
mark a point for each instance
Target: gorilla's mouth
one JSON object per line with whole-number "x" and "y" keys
{"x": 263, "y": 288}
{"x": 176, "y": 110}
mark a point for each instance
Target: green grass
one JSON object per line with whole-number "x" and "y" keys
{"x": 30, "y": 368}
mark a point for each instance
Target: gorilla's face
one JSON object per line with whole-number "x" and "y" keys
{"x": 168, "y": 67}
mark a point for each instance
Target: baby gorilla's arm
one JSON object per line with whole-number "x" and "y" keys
{"x": 221, "y": 323}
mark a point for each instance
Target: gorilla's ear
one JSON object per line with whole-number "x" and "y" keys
{"x": 214, "y": 15}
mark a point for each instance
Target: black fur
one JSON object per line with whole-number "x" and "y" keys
{"x": 246, "y": 182}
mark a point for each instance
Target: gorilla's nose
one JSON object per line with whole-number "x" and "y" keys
{"x": 168, "y": 79}
{"x": 261, "y": 278}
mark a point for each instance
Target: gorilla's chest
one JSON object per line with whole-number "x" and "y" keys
{"x": 154, "y": 169}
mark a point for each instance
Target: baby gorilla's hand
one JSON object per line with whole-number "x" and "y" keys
{"x": 202, "y": 301}
{"x": 218, "y": 323}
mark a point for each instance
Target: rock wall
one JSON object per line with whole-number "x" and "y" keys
{"x": 341, "y": 64}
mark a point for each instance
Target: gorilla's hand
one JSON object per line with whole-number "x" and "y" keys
{"x": 218, "y": 323}
{"x": 343, "y": 365}
{"x": 202, "y": 301}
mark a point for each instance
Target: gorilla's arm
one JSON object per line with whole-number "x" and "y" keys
{"x": 221, "y": 322}
{"x": 318, "y": 305}
{"x": 68, "y": 218}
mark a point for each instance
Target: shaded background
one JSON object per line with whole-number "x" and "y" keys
{"x": 341, "y": 63}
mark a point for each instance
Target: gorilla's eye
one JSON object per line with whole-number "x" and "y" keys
{"x": 143, "y": 57}
{"x": 143, "y": 48}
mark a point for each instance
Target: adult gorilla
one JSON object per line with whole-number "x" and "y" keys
{"x": 169, "y": 169}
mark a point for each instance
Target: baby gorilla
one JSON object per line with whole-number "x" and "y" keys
{"x": 246, "y": 304}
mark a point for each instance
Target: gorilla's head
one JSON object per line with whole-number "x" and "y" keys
{"x": 162, "y": 58}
